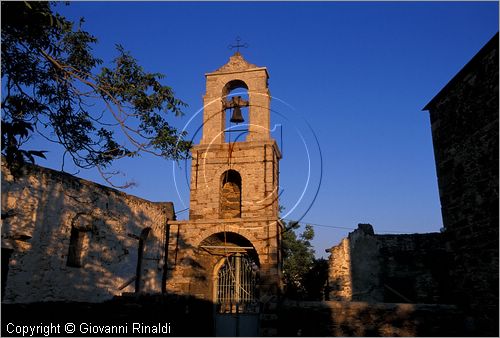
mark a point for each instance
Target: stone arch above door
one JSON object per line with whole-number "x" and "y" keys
{"x": 258, "y": 244}
{"x": 233, "y": 241}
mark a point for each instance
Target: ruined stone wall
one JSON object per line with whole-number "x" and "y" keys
{"x": 389, "y": 268}
{"x": 464, "y": 120}
{"x": 339, "y": 272}
{"x": 365, "y": 258}
{"x": 39, "y": 211}
{"x": 414, "y": 268}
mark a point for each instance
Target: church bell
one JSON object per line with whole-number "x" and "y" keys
{"x": 237, "y": 117}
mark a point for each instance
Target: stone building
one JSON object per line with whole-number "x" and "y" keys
{"x": 68, "y": 239}
{"x": 464, "y": 122}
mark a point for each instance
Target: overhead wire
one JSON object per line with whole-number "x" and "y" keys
{"x": 334, "y": 226}
{"x": 181, "y": 211}
{"x": 312, "y": 224}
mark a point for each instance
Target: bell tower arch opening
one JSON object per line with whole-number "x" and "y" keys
{"x": 236, "y": 74}
{"x": 235, "y": 104}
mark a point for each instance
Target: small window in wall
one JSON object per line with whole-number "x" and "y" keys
{"x": 75, "y": 250}
{"x": 230, "y": 199}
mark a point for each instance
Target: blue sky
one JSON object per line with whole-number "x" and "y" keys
{"x": 354, "y": 75}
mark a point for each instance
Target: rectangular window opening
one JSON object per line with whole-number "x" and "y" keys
{"x": 75, "y": 250}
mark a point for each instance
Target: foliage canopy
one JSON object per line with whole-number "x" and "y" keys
{"x": 304, "y": 275}
{"x": 53, "y": 84}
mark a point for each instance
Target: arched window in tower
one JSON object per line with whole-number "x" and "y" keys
{"x": 230, "y": 196}
{"x": 235, "y": 105}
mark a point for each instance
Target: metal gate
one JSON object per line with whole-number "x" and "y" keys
{"x": 237, "y": 308}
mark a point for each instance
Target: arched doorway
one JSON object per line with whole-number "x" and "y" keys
{"x": 236, "y": 303}
{"x": 235, "y": 284}
{"x": 236, "y": 290}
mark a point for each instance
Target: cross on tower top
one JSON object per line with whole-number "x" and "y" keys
{"x": 238, "y": 45}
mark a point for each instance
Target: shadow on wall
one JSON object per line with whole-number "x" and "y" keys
{"x": 71, "y": 239}
{"x": 359, "y": 319}
{"x": 188, "y": 316}
{"x": 72, "y": 245}
{"x": 75, "y": 240}
{"x": 80, "y": 252}
{"x": 77, "y": 252}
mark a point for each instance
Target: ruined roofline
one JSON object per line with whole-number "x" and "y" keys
{"x": 35, "y": 168}
{"x": 367, "y": 229}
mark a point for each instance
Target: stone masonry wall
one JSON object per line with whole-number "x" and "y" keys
{"x": 192, "y": 270}
{"x": 257, "y": 164}
{"x": 464, "y": 120}
{"x": 230, "y": 200}
{"x": 39, "y": 211}
{"x": 339, "y": 272}
{"x": 389, "y": 268}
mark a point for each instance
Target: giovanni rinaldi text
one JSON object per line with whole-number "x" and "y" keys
{"x": 87, "y": 328}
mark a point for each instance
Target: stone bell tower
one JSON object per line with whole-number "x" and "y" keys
{"x": 237, "y": 179}
{"x": 228, "y": 252}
